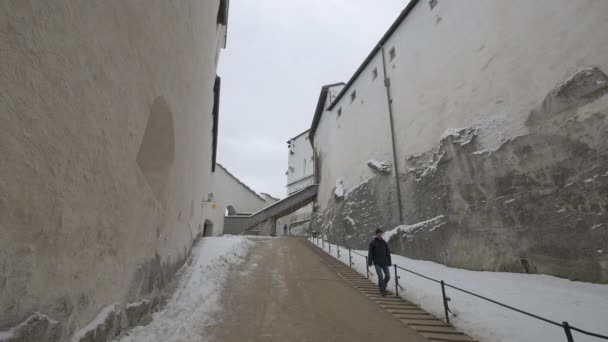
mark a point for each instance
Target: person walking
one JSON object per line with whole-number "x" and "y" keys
{"x": 285, "y": 229}
{"x": 380, "y": 256}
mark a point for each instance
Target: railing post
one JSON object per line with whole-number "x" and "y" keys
{"x": 329, "y": 247}
{"x": 396, "y": 282}
{"x": 445, "y": 303}
{"x": 568, "y": 331}
{"x": 338, "y": 248}
{"x": 350, "y": 258}
{"x": 322, "y": 243}
{"x": 366, "y": 268}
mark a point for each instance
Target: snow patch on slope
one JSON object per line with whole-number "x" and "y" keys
{"x": 196, "y": 299}
{"x": 11, "y": 333}
{"x": 100, "y": 319}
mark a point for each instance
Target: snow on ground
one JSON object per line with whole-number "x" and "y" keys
{"x": 582, "y": 305}
{"x": 196, "y": 299}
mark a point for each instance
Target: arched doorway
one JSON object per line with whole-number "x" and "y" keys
{"x": 230, "y": 211}
{"x": 208, "y": 228}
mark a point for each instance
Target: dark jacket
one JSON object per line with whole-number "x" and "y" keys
{"x": 378, "y": 253}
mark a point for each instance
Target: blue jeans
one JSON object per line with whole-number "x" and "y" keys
{"x": 384, "y": 275}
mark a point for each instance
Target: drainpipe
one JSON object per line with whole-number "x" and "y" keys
{"x": 387, "y": 85}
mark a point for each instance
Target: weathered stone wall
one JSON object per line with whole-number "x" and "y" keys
{"x": 537, "y": 203}
{"x": 351, "y": 220}
{"x": 105, "y": 148}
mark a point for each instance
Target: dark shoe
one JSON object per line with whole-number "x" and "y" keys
{"x": 384, "y": 294}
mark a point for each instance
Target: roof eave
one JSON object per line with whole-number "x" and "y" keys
{"x": 375, "y": 50}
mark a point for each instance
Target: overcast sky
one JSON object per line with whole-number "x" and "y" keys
{"x": 279, "y": 54}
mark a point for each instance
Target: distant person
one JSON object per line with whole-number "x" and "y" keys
{"x": 380, "y": 256}
{"x": 285, "y": 228}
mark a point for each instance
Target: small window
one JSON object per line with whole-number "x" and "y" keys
{"x": 433, "y": 3}
{"x": 339, "y": 111}
{"x": 392, "y": 53}
{"x": 353, "y": 96}
{"x": 374, "y": 74}
{"x": 222, "y": 13}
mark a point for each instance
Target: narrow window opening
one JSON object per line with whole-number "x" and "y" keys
{"x": 215, "y": 112}
{"x": 374, "y": 74}
{"x": 433, "y": 3}
{"x": 222, "y": 13}
{"x": 353, "y": 96}
{"x": 339, "y": 111}
{"x": 392, "y": 53}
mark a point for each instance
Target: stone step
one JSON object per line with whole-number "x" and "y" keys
{"x": 408, "y": 315}
{"x": 377, "y": 296}
{"x": 368, "y": 288}
{"x": 397, "y": 307}
{"x": 446, "y": 337}
{"x": 424, "y": 323}
{"x": 403, "y": 310}
{"x": 437, "y": 330}
{"x": 415, "y": 316}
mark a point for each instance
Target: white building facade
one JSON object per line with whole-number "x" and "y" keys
{"x": 300, "y": 165}
{"x": 229, "y": 197}
{"x": 300, "y": 174}
{"x": 459, "y": 106}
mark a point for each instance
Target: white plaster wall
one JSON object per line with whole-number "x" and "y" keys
{"x": 228, "y": 190}
{"x": 77, "y": 83}
{"x": 300, "y": 161}
{"x": 462, "y": 63}
{"x": 300, "y": 184}
{"x": 487, "y": 63}
{"x": 362, "y": 132}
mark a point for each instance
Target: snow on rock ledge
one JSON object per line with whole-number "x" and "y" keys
{"x": 462, "y": 136}
{"x": 429, "y": 225}
{"x": 381, "y": 167}
{"x": 106, "y": 325}
{"x": 340, "y": 191}
{"x": 37, "y": 327}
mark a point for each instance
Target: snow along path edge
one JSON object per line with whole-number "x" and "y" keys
{"x": 583, "y": 305}
{"x": 191, "y": 308}
{"x": 414, "y": 317}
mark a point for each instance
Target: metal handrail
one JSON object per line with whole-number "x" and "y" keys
{"x": 564, "y": 325}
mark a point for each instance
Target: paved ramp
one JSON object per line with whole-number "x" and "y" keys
{"x": 264, "y": 221}
{"x": 287, "y": 292}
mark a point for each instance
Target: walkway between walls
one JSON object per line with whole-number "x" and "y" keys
{"x": 287, "y": 292}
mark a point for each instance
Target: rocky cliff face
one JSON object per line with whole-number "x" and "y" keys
{"x": 537, "y": 203}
